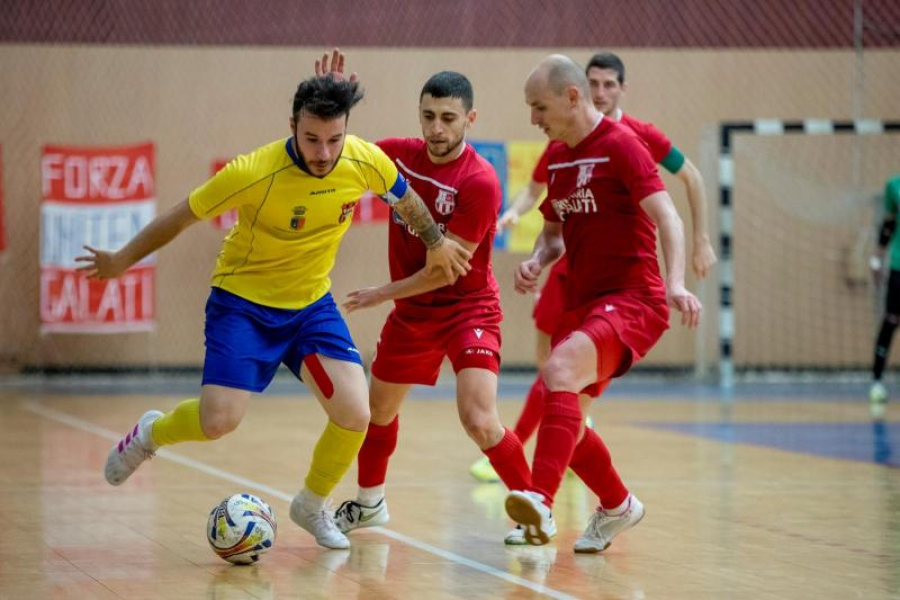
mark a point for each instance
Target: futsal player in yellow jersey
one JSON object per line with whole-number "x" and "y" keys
{"x": 270, "y": 300}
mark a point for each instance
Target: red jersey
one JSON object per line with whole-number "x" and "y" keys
{"x": 657, "y": 142}
{"x": 464, "y": 198}
{"x": 539, "y": 174}
{"x": 595, "y": 191}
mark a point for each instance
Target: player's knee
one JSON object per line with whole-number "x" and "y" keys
{"x": 360, "y": 419}
{"x": 218, "y": 423}
{"x": 482, "y": 428}
{"x": 892, "y": 319}
{"x": 381, "y": 415}
{"x": 354, "y": 416}
{"x": 559, "y": 375}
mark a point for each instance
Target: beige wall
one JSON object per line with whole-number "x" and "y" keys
{"x": 198, "y": 104}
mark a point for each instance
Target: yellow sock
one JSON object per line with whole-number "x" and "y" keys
{"x": 180, "y": 425}
{"x": 332, "y": 458}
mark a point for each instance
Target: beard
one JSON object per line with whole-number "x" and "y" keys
{"x": 450, "y": 148}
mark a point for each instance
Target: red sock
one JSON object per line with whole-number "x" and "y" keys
{"x": 532, "y": 411}
{"x": 508, "y": 459}
{"x": 380, "y": 443}
{"x": 592, "y": 462}
{"x": 556, "y": 441}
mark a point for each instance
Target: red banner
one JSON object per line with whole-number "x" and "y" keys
{"x": 371, "y": 209}
{"x": 226, "y": 220}
{"x": 100, "y": 197}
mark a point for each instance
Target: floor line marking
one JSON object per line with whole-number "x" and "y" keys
{"x": 87, "y": 426}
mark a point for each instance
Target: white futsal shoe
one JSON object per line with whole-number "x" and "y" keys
{"x": 603, "y": 527}
{"x": 878, "y": 397}
{"x": 132, "y": 450}
{"x": 516, "y": 537}
{"x": 353, "y": 515}
{"x": 528, "y": 510}
{"x": 317, "y": 521}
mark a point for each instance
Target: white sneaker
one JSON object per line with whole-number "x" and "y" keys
{"x": 319, "y": 523}
{"x": 133, "y": 449}
{"x": 516, "y": 537}
{"x": 878, "y": 397}
{"x": 353, "y": 515}
{"x": 603, "y": 527}
{"x": 528, "y": 510}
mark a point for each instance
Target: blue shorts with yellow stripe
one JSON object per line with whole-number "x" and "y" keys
{"x": 246, "y": 342}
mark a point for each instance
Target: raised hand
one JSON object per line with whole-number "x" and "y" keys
{"x": 334, "y": 67}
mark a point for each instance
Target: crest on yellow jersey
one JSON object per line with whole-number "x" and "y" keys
{"x": 298, "y": 220}
{"x": 346, "y": 211}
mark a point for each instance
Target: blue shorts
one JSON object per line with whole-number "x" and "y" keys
{"x": 245, "y": 341}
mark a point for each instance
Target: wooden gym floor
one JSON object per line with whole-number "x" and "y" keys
{"x": 767, "y": 495}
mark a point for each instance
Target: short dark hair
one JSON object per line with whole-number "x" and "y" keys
{"x": 325, "y": 97}
{"x": 608, "y": 60}
{"x": 450, "y": 84}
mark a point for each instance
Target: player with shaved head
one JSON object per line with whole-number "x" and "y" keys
{"x": 605, "y": 205}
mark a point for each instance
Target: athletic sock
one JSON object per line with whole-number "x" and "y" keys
{"x": 508, "y": 459}
{"x": 532, "y": 411}
{"x": 592, "y": 462}
{"x": 370, "y": 496}
{"x": 332, "y": 457}
{"x": 179, "y": 425}
{"x": 883, "y": 347}
{"x": 556, "y": 441}
{"x": 381, "y": 441}
{"x": 312, "y": 501}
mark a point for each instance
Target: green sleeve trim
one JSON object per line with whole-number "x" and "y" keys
{"x": 673, "y": 161}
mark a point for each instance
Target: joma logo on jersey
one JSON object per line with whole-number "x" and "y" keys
{"x": 585, "y": 172}
{"x": 580, "y": 201}
{"x": 346, "y": 210}
{"x": 445, "y": 202}
{"x": 298, "y": 220}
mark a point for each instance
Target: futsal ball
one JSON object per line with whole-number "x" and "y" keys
{"x": 241, "y": 528}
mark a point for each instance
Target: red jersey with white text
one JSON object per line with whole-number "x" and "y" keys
{"x": 657, "y": 142}
{"x": 464, "y": 198}
{"x": 595, "y": 190}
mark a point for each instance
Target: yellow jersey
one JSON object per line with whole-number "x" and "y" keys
{"x": 290, "y": 223}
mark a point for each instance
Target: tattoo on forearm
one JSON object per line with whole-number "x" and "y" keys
{"x": 416, "y": 215}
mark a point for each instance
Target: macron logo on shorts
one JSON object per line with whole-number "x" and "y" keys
{"x": 478, "y": 332}
{"x": 609, "y": 308}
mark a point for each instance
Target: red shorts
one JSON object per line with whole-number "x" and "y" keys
{"x": 635, "y": 322}
{"x": 411, "y": 351}
{"x": 550, "y": 304}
